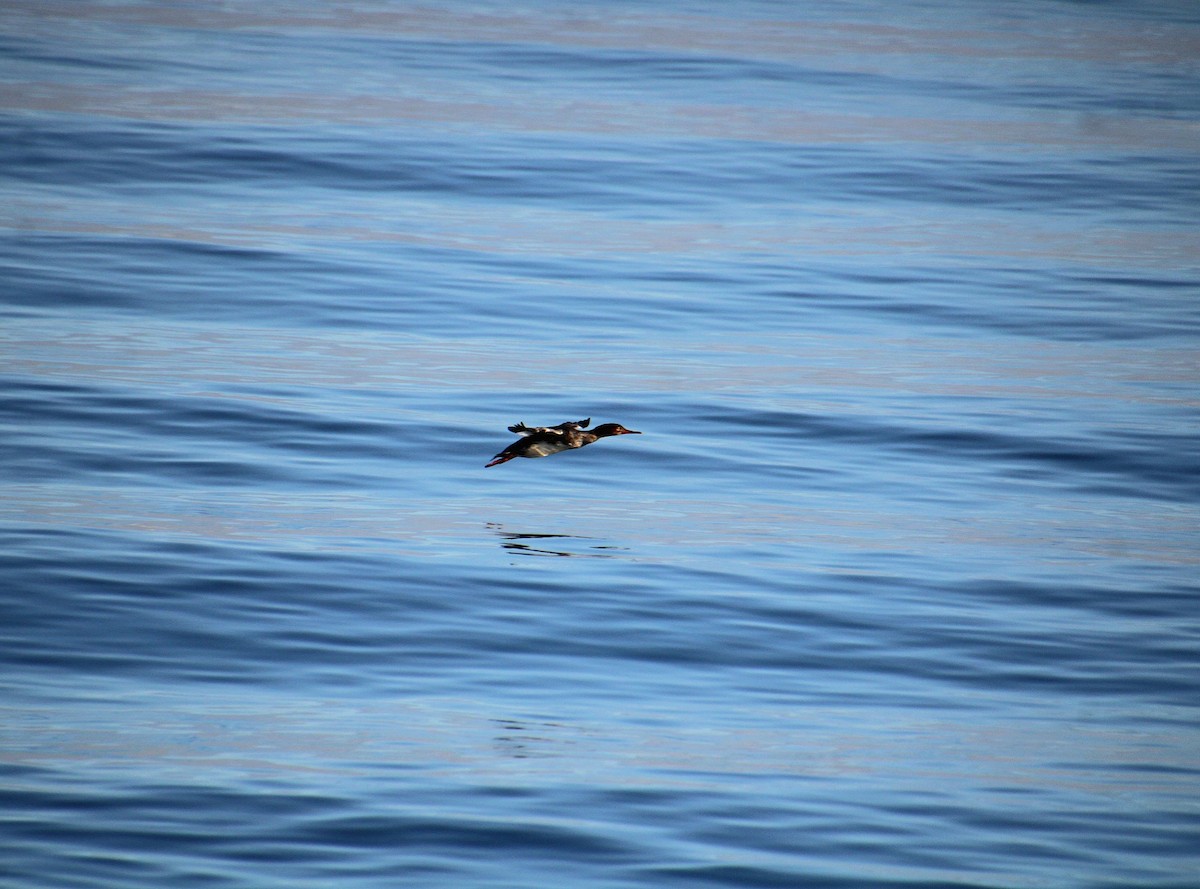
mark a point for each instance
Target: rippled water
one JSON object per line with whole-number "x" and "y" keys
{"x": 898, "y": 587}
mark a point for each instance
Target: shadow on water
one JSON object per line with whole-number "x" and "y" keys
{"x": 516, "y": 542}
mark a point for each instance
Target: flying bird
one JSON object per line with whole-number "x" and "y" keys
{"x": 542, "y": 441}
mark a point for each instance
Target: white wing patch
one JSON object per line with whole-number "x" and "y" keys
{"x": 545, "y": 448}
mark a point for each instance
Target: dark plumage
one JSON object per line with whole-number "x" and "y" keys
{"x": 542, "y": 441}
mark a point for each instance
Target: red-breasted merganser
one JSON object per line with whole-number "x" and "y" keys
{"x": 542, "y": 441}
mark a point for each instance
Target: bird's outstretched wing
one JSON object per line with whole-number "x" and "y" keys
{"x": 522, "y": 429}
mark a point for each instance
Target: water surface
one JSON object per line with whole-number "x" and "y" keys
{"x": 897, "y": 588}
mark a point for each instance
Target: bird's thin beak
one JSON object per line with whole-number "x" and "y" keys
{"x": 630, "y": 432}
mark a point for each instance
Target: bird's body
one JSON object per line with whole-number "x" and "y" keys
{"x": 542, "y": 441}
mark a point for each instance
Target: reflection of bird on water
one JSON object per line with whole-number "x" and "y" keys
{"x": 542, "y": 441}
{"x": 513, "y": 541}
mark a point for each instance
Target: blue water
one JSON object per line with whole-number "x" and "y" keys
{"x": 900, "y": 587}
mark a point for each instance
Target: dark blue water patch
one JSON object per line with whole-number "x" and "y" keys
{"x": 1107, "y": 461}
{"x": 158, "y": 610}
{"x": 733, "y": 876}
{"x": 651, "y": 75}
{"x": 678, "y": 295}
{"x": 652, "y": 70}
{"x": 1166, "y": 12}
{"x": 372, "y": 65}
{"x": 115, "y": 60}
{"x": 168, "y": 50}
{"x": 31, "y": 56}
{"x": 1081, "y": 664}
{"x": 628, "y": 177}
{"x": 128, "y": 604}
{"x": 104, "y": 433}
{"x": 136, "y": 154}
{"x": 1038, "y": 300}
{"x": 1114, "y": 90}
{"x": 1163, "y": 469}
{"x": 1055, "y": 302}
{"x": 1080, "y": 838}
{"x": 373, "y": 832}
{"x": 1119, "y": 187}
{"x": 787, "y": 653}
{"x": 178, "y": 277}
{"x": 192, "y": 835}
{"x": 130, "y": 272}
{"x": 150, "y": 835}
{"x": 419, "y": 832}
{"x": 1067, "y": 303}
{"x": 133, "y": 157}
{"x": 1172, "y": 604}
{"x": 38, "y": 281}
{"x": 658, "y": 74}
{"x": 434, "y": 290}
